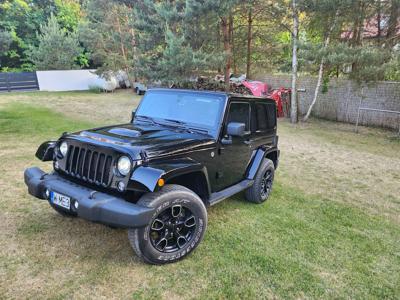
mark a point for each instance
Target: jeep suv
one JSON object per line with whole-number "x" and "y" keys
{"x": 156, "y": 175}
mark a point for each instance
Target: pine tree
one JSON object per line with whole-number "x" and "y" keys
{"x": 176, "y": 40}
{"x": 109, "y": 35}
{"x": 327, "y": 17}
{"x": 368, "y": 61}
{"x": 57, "y": 49}
{"x": 220, "y": 11}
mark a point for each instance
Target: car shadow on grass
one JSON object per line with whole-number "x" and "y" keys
{"x": 74, "y": 237}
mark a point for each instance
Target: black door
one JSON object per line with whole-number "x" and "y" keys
{"x": 233, "y": 158}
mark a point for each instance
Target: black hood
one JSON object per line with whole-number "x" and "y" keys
{"x": 150, "y": 140}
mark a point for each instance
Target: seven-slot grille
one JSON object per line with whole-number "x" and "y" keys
{"x": 89, "y": 165}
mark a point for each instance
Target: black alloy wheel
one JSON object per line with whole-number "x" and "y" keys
{"x": 172, "y": 229}
{"x": 175, "y": 229}
{"x": 261, "y": 189}
{"x": 266, "y": 184}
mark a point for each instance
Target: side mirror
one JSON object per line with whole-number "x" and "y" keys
{"x": 133, "y": 115}
{"x": 236, "y": 129}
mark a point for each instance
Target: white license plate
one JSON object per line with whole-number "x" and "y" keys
{"x": 60, "y": 200}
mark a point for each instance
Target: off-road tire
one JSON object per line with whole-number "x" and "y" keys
{"x": 169, "y": 197}
{"x": 254, "y": 193}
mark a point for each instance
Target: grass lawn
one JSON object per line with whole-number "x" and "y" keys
{"x": 331, "y": 228}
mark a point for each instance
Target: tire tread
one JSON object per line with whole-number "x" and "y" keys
{"x": 150, "y": 200}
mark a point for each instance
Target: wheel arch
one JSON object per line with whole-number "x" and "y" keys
{"x": 45, "y": 151}
{"x": 196, "y": 181}
{"x": 259, "y": 155}
{"x": 185, "y": 172}
{"x": 274, "y": 156}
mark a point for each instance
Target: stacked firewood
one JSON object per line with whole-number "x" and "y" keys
{"x": 239, "y": 89}
{"x": 209, "y": 84}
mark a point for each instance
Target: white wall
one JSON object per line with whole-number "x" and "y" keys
{"x": 68, "y": 80}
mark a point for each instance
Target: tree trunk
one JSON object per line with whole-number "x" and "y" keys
{"x": 358, "y": 25}
{"x": 321, "y": 67}
{"x": 127, "y": 67}
{"x": 231, "y": 40}
{"x": 379, "y": 19}
{"x": 295, "y": 33}
{"x": 227, "y": 49}
{"x": 392, "y": 24}
{"x": 317, "y": 87}
{"x": 219, "y": 43}
{"x": 249, "y": 40}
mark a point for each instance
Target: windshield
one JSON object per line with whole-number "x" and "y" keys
{"x": 194, "y": 109}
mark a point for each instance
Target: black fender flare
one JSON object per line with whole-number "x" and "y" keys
{"x": 145, "y": 178}
{"x": 257, "y": 158}
{"x": 45, "y": 152}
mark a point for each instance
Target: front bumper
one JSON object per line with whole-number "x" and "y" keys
{"x": 93, "y": 205}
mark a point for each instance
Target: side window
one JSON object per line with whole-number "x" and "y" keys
{"x": 265, "y": 116}
{"x": 240, "y": 112}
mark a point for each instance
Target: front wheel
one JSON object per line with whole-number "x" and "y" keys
{"x": 175, "y": 229}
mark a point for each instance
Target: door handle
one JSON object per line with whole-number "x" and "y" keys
{"x": 226, "y": 141}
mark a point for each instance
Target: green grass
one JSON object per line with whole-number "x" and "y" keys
{"x": 374, "y": 140}
{"x": 27, "y": 120}
{"x": 297, "y": 245}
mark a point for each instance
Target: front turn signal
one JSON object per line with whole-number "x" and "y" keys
{"x": 161, "y": 182}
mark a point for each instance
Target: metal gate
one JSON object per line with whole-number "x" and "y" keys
{"x": 24, "y": 81}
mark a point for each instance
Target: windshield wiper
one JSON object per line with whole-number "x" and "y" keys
{"x": 146, "y": 118}
{"x": 186, "y": 126}
{"x": 182, "y": 124}
{"x": 199, "y": 130}
{"x": 175, "y": 121}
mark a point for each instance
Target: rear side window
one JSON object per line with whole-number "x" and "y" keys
{"x": 265, "y": 116}
{"x": 240, "y": 112}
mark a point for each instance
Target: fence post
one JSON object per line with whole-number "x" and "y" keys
{"x": 399, "y": 127}
{"x": 36, "y": 80}
{"x": 359, "y": 106}
{"x": 8, "y": 82}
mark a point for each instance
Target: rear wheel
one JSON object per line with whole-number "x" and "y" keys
{"x": 262, "y": 187}
{"x": 175, "y": 229}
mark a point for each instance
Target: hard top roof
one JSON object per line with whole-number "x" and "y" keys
{"x": 220, "y": 93}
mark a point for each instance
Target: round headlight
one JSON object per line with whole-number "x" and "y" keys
{"x": 64, "y": 148}
{"x": 124, "y": 165}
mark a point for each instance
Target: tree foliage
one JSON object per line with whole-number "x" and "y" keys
{"x": 176, "y": 40}
{"x": 57, "y": 49}
{"x": 23, "y": 19}
{"x": 5, "y": 41}
{"x": 173, "y": 40}
{"x": 108, "y": 34}
{"x": 68, "y": 14}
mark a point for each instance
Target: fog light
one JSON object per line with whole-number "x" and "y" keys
{"x": 121, "y": 186}
{"x": 47, "y": 193}
{"x": 76, "y": 204}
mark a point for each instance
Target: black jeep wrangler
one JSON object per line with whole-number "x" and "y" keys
{"x": 182, "y": 151}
